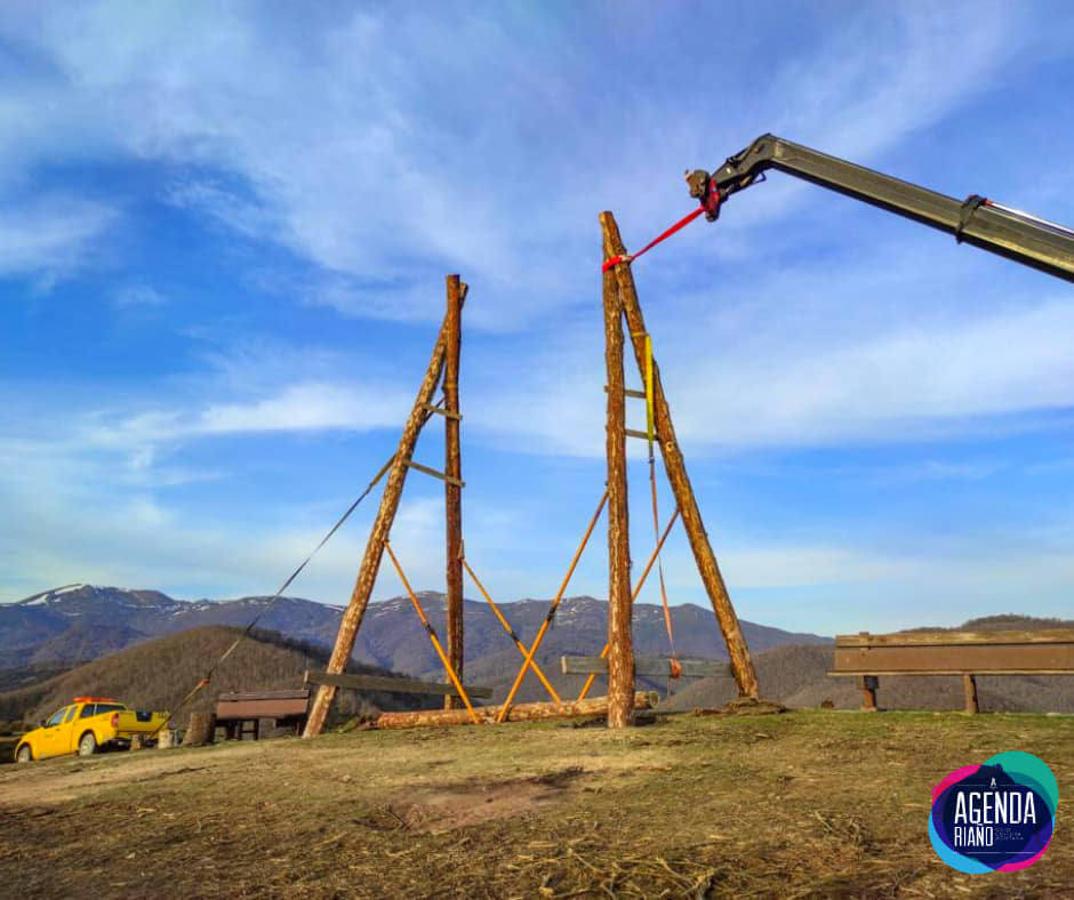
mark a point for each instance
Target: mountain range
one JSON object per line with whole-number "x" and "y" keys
{"x": 147, "y": 647}
{"x": 77, "y": 623}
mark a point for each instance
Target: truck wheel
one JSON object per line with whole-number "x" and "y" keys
{"x": 87, "y": 744}
{"x": 24, "y": 754}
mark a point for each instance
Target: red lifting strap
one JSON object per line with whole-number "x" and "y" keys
{"x": 709, "y": 207}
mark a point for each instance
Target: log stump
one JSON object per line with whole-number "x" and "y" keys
{"x": 201, "y": 730}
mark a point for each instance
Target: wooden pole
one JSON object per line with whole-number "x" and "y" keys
{"x": 374, "y": 548}
{"x": 621, "y": 648}
{"x": 868, "y": 685}
{"x": 969, "y": 685}
{"x": 675, "y": 465}
{"x": 634, "y": 596}
{"x": 453, "y": 469}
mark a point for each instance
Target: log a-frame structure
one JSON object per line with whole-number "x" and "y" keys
{"x": 620, "y": 303}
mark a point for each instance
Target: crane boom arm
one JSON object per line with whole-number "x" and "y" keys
{"x": 976, "y": 220}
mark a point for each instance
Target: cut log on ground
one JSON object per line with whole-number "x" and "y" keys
{"x": 201, "y": 730}
{"x": 521, "y": 712}
{"x": 744, "y": 706}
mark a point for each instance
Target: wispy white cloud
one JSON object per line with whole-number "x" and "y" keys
{"x": 798, "y": 359}
{"x": 134, "y": 295}
{"x": 377, "y": 156}
{"x": 50, "y": 237}
{"x": 297, "y": 407}
{"x": 228, "y": 207}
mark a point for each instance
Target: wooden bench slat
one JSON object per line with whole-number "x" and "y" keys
{"x": 391, "y": 685}
{"x": 651, "y": 666}
{"x": 911, "y": 673}
{"x": 293, "y": 694}
{"x": 956, "y": 638}
{"x": 261, "y": 709}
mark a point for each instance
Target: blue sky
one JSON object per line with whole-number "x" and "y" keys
{"x": 223, "y": 235}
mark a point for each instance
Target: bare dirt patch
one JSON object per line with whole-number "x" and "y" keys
{"x": 435, "y": 811}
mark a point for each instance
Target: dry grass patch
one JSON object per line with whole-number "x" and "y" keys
{"x": 804, "y": 804}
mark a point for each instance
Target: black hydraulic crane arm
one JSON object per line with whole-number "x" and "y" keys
{"x": 976, "y": 220}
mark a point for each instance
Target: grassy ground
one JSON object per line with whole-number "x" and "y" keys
{"x": 803, "y": 804}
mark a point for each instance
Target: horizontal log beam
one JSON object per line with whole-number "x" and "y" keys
{"x": 522, "y": 712}
{"x": 643, "y": 435}
{"x": 390, "y": 685}
{"x": 655, "y": 666}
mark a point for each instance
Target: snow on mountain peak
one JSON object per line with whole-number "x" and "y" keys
{"x": 48, "y": 596}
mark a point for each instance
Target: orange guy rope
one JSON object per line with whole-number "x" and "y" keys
{"x": 551, "y": 612}
{"x": 634, "y": 596}
{"x": 511, "y": 633}
{"x": 432, "y": 636}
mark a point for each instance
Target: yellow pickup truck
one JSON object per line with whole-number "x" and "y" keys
{"x": 86, "y": 726}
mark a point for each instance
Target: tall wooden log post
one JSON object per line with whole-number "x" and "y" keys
{"x": 620, "y": 634}
{"x": 378, "y": 536}
{"x": 969, "y": 685}
{"x": 675, "y": 465}
{"x": 453, "y": 469}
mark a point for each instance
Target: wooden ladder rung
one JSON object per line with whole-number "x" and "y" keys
{"x": 426, "y": 470}
{"x": 644, "y": 435}
{"x": 630, "y": 393}
{"x": 446, "y": 413}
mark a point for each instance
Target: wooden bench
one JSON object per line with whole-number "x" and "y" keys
{"x": 241, "y": 713}
{"x": 965, "y": 653}
{"x": 392, "y": 685}
{"x": 659, "y": 667}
